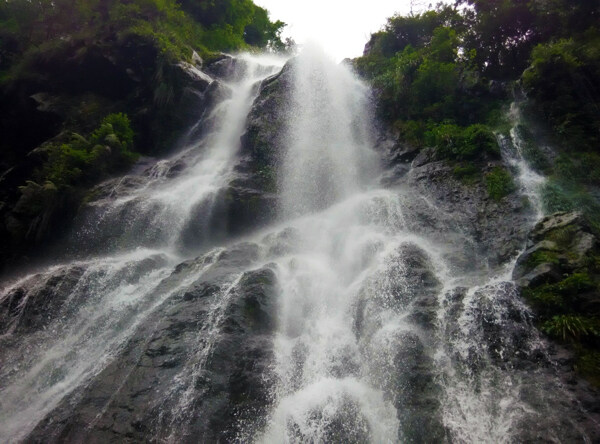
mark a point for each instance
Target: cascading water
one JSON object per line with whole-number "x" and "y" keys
{"x": 362, "y": 354}
{"x": 350, "y": 320}
{"x": 178, "y": 195}
{"x": 328, "y": 151}
{"x": 513, "y": 148}
{"x": 112, "y": 295}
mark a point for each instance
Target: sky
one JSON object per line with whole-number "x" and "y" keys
{"x": 342, "y": 27}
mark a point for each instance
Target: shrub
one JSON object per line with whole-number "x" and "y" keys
{"x": 117, "y": 124}
{"x": 575, "y": 284}
{"x": 546, "y": 300}
{"x": 542, "y": 257}
{"x": 467, "y": 174}
{"x": 499, "y": 183}
{"x": 564, "y": 195}
{"x": 462, "y": 143}
{"x": 556, "y": 80}
{"x": 570, "y": 327}
{"x": 551, "y": 300}
{"x": 82, "y": 160}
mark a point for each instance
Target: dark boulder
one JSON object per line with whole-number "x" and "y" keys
{"x": 198, "y": 369}
{"x": 31, "y": 304}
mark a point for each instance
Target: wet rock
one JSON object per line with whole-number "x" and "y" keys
{"x": 496, "y": 230}
{"x": 558, "y": 245}
{"x": 250, "y": 200}
{"x": 189, "y": 75}
{"x": 344, "y": 423}
{"x": 223, "y": 66}
{"x": 400, "y": 358}
{"x": 32, "y": 304}
{"x": 77, "y": 85}
{"x": 266, "y": 124}
{"x": 541, "y": 274}
{"x": 416, "y": 392}
{"x": 560, "y": 265}
{"x": 198, "y": 369}
{"x": 283, "y": 242}
{"x": 497, "y": 353}
{"x": 394, "y": 152}
{"x": 245, "y": 206}
{"x": 553, "y": 222}
{"x": 505, "y": 326}
{"x": 424, "y": 157}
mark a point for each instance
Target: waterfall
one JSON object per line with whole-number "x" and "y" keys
{"x": 513, "y": 149}
{"x": 112, "y": 295}
{"x": 329, "y": 154}
{"x": 178, "y": 195}
{"x": 361, "y": 313}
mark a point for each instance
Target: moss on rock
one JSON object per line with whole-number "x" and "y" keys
{"x": 560, "y": 280}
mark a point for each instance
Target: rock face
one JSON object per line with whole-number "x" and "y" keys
{"x": 74, "y": 91}
{"x": 199, "y": 365}
{"x": 558, "y": 277}
{"x": 490, "y": 341}
{"x": 266, "y": 125}
{"x": 251, "y": 199}
{"x": 558, "y": 245}
{"x": 32, "y": 304}
{"x": 402, "y": 366}
{"x": 197, "y": 370}
{"x": 561, "y": 257}
{"x": 495, "y": 230}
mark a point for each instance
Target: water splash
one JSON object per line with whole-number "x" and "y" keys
{"x": 329, "y": 154}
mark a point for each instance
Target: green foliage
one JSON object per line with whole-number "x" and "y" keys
{"x": 576, "y": 283}
{"x": 431, "y": 74}
{"x": 418, "y": 69}
{"x": 558, "y": 299}
{"x": 455, "y": 142}
{"x": 412, "y": 131}
{"x": 563, "y": 237}
{"x": 232, "y": 24}
{"x": 562, "y": 194}
{"x": 545, "y": 300}
{"x": 413, "y": 30}
{"x": 542, "y": 257}
{"x": 35, "y": 198}
{"x": 571, "y": 327}
{"x": 467, "y": 174}
{"x": 583, "y": 168}
{"x": 116, "y": 124}
{"x": 172, "y": 28}
{"x": 555, "y": 198}
{"x": 82, "y": 160}
{"x": 499, "y": 183}
{"x": 427, "y": 84}
{"x": 561, "y": 81}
